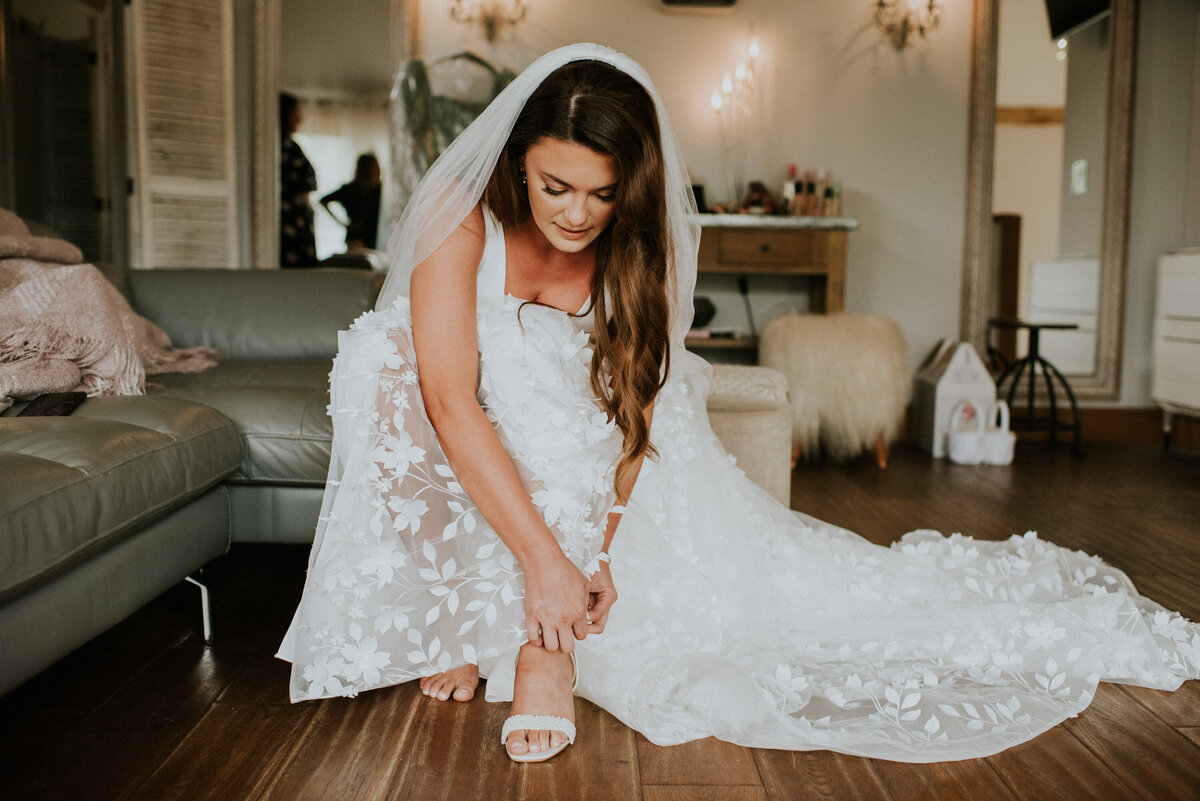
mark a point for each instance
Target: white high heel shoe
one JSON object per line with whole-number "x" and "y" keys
{"x": 541, "y": 723}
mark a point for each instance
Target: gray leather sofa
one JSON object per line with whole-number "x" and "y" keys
{"x": 277, "y": 333}
{"x": 105, "y": 509}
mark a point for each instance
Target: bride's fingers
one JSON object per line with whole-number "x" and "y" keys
{"x": 604, "y": 602}
{"x": 566, "y": 638}
{"x": 581, "y": 627}
{"x": 550, "y": 638}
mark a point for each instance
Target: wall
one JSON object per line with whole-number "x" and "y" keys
{"x": 335, "y": 45}
{"x": 1029, "y": 157}
{"x": 1162, "y": 160}
{"x": 892, "y": 126}
{"x": 58, "y": 19}
{"x": 1082, "y": 220}
{"x": 1028, "y": 72}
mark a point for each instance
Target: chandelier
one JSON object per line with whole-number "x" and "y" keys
{"x": 489, "y": 14}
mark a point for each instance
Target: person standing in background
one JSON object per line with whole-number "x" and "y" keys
{"x": 360, "y": 200}
{"x": 297, "y": 242}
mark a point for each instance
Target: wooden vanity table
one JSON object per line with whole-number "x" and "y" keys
{"x": 748, "y": 244}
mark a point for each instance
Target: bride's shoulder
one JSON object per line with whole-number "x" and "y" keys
{"x": 474, "y": 225}
{"x": 460, "y": 251}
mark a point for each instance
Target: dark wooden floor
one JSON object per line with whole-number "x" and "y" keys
{"x": 146, "y": 712}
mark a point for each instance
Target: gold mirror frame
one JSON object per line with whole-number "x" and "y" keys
{"x": 1105, "y": 382}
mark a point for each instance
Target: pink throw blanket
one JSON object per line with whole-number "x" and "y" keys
{"x": 64, "y": 327}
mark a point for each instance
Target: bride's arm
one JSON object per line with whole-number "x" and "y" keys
{"x": 444, "y": 336}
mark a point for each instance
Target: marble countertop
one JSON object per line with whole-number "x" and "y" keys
{"x": 776, "y": 221}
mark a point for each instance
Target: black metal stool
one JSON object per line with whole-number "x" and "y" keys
{"x": 1033, "y": 362}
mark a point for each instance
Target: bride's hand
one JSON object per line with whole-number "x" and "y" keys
{"x": 556, "y": 603}
{"x": 602, "y": 594}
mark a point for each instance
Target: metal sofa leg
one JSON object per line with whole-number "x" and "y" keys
{"x": 205, "y": 613}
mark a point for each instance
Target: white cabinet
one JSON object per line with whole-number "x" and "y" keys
{"x": 1176, "y": 383}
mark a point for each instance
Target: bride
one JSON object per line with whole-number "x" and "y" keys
{"x": 520, "y": 403}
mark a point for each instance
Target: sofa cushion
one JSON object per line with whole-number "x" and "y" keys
{"x": 279, "y": 407}
{"x": 255, "y": 314}
{"x": 70, "y": 486}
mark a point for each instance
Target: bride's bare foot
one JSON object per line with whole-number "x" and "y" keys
{"x": 458, "y": 683}
{"x": 542, "y": 687}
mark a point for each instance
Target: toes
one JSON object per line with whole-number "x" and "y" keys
{"x": 456, "y": 684}
{"x": 527, "y": 742}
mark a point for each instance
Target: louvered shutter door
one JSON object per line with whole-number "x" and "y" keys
{"x": 185, "y": 201}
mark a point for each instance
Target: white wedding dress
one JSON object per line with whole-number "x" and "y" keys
{"x": 736, "y": 618}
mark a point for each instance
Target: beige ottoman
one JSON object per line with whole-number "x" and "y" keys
{"x": 749, "y": 412}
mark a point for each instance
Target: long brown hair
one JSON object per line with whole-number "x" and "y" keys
{"x": 600, "y": 107}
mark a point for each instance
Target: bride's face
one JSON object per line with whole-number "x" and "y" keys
{"x": 571, "y": 190}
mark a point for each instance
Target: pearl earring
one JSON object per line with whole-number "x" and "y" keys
{"x": 524, "y": 177}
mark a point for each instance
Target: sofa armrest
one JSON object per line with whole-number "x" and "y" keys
{"x": 748, "y": 382}
{"x": 255, "y": 314}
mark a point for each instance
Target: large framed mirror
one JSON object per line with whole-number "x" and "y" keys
{"x": 1087, "y": 269}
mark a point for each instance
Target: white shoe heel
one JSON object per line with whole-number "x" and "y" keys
{"x": 541, "y": 723}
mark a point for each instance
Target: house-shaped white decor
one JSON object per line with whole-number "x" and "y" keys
{"x": 953, "y": 373}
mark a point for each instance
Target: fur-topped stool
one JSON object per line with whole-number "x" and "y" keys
{"x": 847, "y": 380}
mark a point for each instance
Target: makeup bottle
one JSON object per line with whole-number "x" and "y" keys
{"x": 827, "y": 204}
{"x": 818, "y": 194}
{"x": 789, "y": 191}
{"x": 810, "y": 196}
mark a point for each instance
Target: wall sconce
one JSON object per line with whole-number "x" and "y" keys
{"x": 897, "y": 20}
{"x": 490, "y": 14}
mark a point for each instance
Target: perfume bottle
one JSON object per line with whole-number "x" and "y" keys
{"x": 789, "y": 191}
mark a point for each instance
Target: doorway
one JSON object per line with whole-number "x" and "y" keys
{"x": 59, "y": 98}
